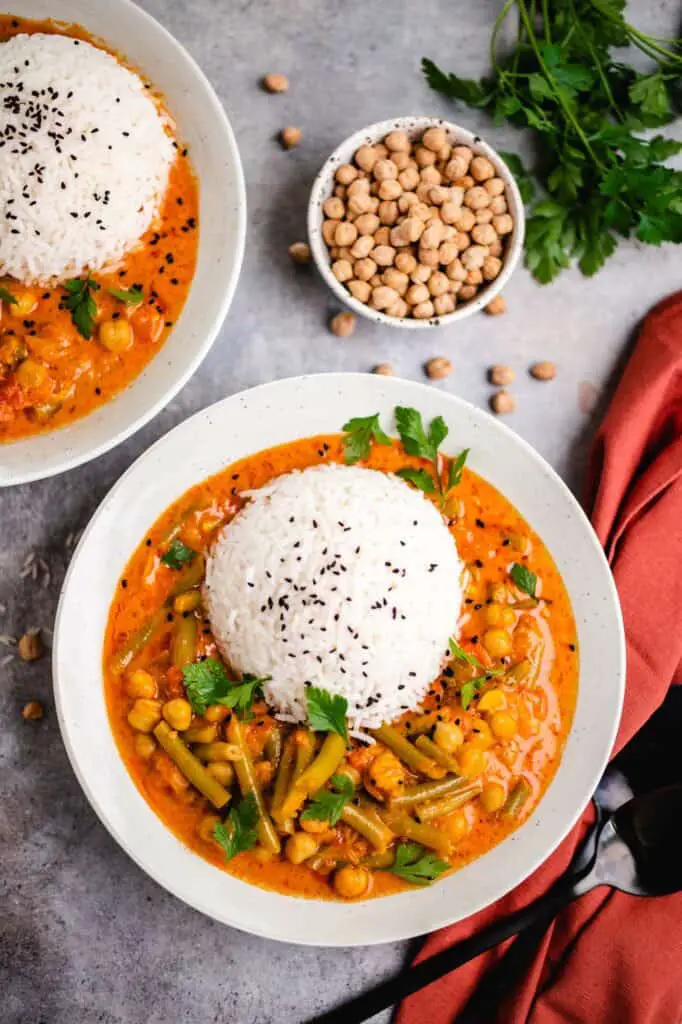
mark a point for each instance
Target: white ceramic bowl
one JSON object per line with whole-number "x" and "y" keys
{"x": 203, "y": 124}
{"x": 205, "y": 444}
{"x": 414, "y": 126}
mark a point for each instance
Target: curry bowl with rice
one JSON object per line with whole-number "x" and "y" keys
{"x": 349, "y": 653}
{"x": 111, "y": 289}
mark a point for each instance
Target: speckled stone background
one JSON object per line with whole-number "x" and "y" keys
{"x": 85, "y": 936}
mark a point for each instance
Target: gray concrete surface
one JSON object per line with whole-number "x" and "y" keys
{"x": 85, "y": 936}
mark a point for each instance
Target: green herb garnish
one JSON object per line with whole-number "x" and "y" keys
{"x": 327, "y": 711}
{"x": 359, "y": 433}
{"x": 469, "y": 689}
{"x": 523, "y": 578}
{"x": 416, "y": 865}
{"x": 587, "y": 110}
{"x": 419, "y": 478}
{"x": 424, "y": 445}
{"x": 238, "y": 834}
{"x": 178, "y": 554}
{"x": 207, "y": 682}
{"x": 81, "y": 304}
{"x": 129, "y": 297}
{"x": 459, "y": 654}
{"x": 327, "y": 805}
{"x": 7, "y": 297}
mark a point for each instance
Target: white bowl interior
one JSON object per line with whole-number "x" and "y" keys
{"x": 205, "y": 444}
{"x": 414, "y": 126}
{"x": 203, "y": 125}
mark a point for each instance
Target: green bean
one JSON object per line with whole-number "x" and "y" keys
{"x": 314, "y": 777}
{"x": 368, "y": 823}
{"x": 519, "y": 673}
{"x": 305, "y": 752}
{"x": 190, "y": 577}
{"x": 448, "y": 804}
{"x": 283, "y": 777}
{"x": 184, "y": 644}
{"x": 135, "y": 643}
{"x": 190, "y": 767}
{"x": 379, "y": 861}
{"x": 217, "y": 751}
{"x": 273, "y": 747}
{"x": 407, "y": 753}
{"x": 410, "y": 796}
{"x": 248, "y": 783}
{"x": 518, "y": 795}
{"x": 427, "y": 835}
{"x": 439, "y": 755}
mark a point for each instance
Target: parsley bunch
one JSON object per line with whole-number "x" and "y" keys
{"x": 587, "y": 110}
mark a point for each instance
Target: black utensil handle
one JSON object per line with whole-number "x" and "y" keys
{"x": 392, "y": 991}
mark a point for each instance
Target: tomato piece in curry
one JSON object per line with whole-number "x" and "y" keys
{"x": 500, "y": 740}
{"x": 50, "y": 375}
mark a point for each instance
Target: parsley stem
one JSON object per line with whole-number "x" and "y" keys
{"x": 597, "y": 63}
{"x": 546, "y": 21}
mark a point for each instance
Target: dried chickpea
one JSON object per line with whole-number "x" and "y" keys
{"x": 385, "y": 170}
{"x": 481, "y": 169}
{"x": 407, "y": 201}
{"x": 359, "y": 187}
{"x": 382, "y": 235}
{"x": 432, "y": 236}
{"x": 383, "y": 255}
{"x": 397, "y": 141}
{"x": 360, "y": 290}
{"x": 495, "y": 307}
{"x": 346, "y": 173}
{"x": 342, "y": 270}
{"x": 405, "y": 262}
{"x": 342, "y": 325}
{"x": 399, "y": 308}
{"x": 424, "y": 157}
{"x": 447, "y": 252}
{"x": 543, "y": 370}
{"x": 358, "y": 204}
{"x": 474, "y": 277}
{"x": 473, "y": 257}
{"x": 421, "y": 273}
{"x": 365, "y": 224}
{"x": 439, "y": 195}
{"x": 290, "y": 137}
{"x": 141, "y": 684}
{"x": 381, "y": 150}
{"x": 430, "y": 176}
{"x": 417, "y": 293}
{"x": 493, "y": 796}
{"x": 491, "y": 267}
{"x": 421, "y": 210}
{"x": 384, "y": 369}
{"x": 485, "y": 216}
{"x": 362, "y": 247}
{"x": 450, "y": 213}
{"x": 455, "y": 168}
{"x": 423, "y": 193}
{"x": 466, "y": 182}
{"x": 502, "y": 402}
{"x": 329, "y": 230}
{"x": 340, "y": 191}
{"x": 383, "y": 297}
{"x": 32, "y": 711}
{"x": 444, "y": 153}
{"x": 275, "y": 83}
{"x": 476, "y": 198}
{"x": 401, "y": 160}
{"x": 495, "y": 248}
{"x": 389, "y": 189}
{"x": 388, "y": 211}
{"x": 365, "y": 158}
{"x": 438, "y": 368}
{"x": 30, "y": 647}
{"x": 467, "y": 291}
{"x": 423, "y": 310}
{"x": 464, "y": 152}
{"x": 498, "y": 205}
{"x": 343, "y": 253}
{"x": 501, "y": 375}
{"x": 364, "y": 269}
{"x": 444, "y": 304}
{"x": 409, "y": 179}
{"x": 300, "y": 252}
{"x": 345, "y": 233}
{"x": 434, "y": 139}
{"x": 503, "y": 224}
{"x": 438, "y": 283}
{"x": 396, "y": 279}
{"x": 494, "y": 186}
{"x": 375, "y": 282}
{"x": 412, "y": 227}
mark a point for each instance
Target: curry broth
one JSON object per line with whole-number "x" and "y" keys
{"x": 482, "y": 536}
{"x": 82, "y": 374}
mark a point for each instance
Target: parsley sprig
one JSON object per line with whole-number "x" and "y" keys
{"x": 327, "y": 711}
{"x": 177, "y": 555}
{"x": 416, "y": 865}
{"x": 128, "y": 296}
{"x": 587, "y": 110}
{"x": 425, "y": 444}
{"x": 328, "y": 804}
{"x": 470, "y": 688}
{"x": 239, "y": 833}
{"x": 7, "y": 297}
{"x": 359, "y": 434}
{"x": 207, "y": 682}
{"x": 80, "y": 302}
{"x": 524, "y": 579}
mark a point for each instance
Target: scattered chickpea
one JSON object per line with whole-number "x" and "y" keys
{"x": 276, "y": 83}
{"x": 342, "y": 325}
{"x": 30, "y": 646}
{"x": 290, "y": 137}
{"x": 501, "y": 375}
{"x": 502, "y": 402}
{"x": 300, "y": 252}
{"x": 438, "y": 368}
{"x": 496, "y": 306}
{"x": 32, "y": 711}
{"x": 543, "y": 370}
{"x": 384, "y": 370}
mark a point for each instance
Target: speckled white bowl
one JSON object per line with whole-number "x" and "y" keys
{"x": 203, "y": 124}
{"x": 205, "y": 444}
{"x": 414, "y": 126}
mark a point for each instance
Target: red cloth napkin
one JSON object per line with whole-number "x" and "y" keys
{"x": 626, "y": 967}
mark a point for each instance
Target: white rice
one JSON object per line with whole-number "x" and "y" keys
{"x": 84, "y": 158}
{"x": 338, "y": 577}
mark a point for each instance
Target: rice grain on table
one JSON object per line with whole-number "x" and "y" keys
{"x": 337, "y": 577}
{"x": 85, "y": 154}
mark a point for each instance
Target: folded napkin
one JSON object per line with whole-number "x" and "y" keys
{"x": 609, "y": 958}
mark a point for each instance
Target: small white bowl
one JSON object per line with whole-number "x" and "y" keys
{"x": 414, "y": 126}
{"x": 203, "y": 125}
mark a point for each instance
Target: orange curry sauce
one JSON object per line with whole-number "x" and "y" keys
{"x": 64, "y": 375}
{"x": 490, "y": 536}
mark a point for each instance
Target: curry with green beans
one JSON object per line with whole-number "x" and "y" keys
{"x": 305, "y": 809}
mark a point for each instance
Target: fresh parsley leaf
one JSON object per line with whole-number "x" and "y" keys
{"x": 327, "y": 805}
{"x": 650, "y": 94}
{"x": 456, "y": 467}
{"x": 416, "y": 865}
{"x": 239, "y": 833}
{"x": 129, "y": 297}
{"x": 414, "y": 438}
{"x": 469, "y": 689}
{"x": 471, "y": 91}
{"x": 81, "y": 304}
{"x": 523, "y": 578}
{"x": 7, "y": 297}
{"x": 327, "y": 711}
{"x": 422, "y": 480}
{"x": 241, "y": 695}
{"x": 206, "y": 682}
{"x": 359, "y": 433}
{"x": 178, "y": 554}
{"x": 459, "y": 654}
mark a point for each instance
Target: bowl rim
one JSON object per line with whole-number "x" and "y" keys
{"x": 322, "y": 190}
{"x": 222, "y": 125}
{"x": 263, "y": 912}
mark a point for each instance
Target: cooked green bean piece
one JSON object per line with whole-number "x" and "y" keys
{"x": 439, "y": 755}
{"x": 410, "y": 796}
{"x": 448, "y": 804}
{"x": 273, "y": 747}
{"x": 518, "y": 795}
{"x": 135, "y": 643}
{"x": 283, "y": 777}
{"x": 314, "y": 777}
{"x": 190, "y": 577}
{"x": 184, "y": 643}
{"x": 427, "y": 835}
{"x": 369, "y": 825}
{"x": 191, "y": 768}
{"x": 248, "y": 783}
{"x": 519, "y": 673}
{"x": 407, "y": 753}
{"x": 379, "y": 861}
{"x": 218, "y": 751}
{"x": 305, "y": 752}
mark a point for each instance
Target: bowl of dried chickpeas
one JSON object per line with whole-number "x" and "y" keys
{"x": 415, "y": 222}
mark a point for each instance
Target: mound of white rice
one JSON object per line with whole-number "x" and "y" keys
{"x": 84, "y": 158}
{"x": 337, "y": 577}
